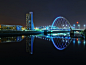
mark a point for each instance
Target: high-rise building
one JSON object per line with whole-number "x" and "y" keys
{"x": 29, "y": 21}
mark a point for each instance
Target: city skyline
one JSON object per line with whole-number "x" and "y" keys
{"x": 44, "y": 11}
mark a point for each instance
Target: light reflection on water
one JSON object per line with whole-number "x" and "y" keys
{"x": 59, "y": 42}
{"x": 11, "y": 39}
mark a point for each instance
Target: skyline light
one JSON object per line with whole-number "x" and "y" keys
{"x": 77, "y": 22}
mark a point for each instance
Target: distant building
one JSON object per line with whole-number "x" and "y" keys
{"x": 10, "y": 27}
{"x": 54, "y": 27}
{"x": 41, "y": 27}
{"x": 72, "y": 27}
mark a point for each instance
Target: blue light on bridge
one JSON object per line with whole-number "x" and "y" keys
{"x": 55, "y": 20}
{"x": 47, "y": 36}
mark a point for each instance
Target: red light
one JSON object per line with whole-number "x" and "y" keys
{"x": 77, "y": 22}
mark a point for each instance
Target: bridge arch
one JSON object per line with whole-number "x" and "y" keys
{"x": 60, "y": 43}
{"x": 60, "y": 19}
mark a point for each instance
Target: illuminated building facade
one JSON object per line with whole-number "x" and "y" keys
{"x": 29, "y": 21}
{"x": 10, "y": 27}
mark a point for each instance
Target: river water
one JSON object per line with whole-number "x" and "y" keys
{"x": 42, "y": 49}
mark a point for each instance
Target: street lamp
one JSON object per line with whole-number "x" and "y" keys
{"x": 84, "y": 26}
{"x": 77, "y": 23}
{"x": 66, "y": 25}
{"x": 74, "y": 25}
{"x": 79, "y": 26}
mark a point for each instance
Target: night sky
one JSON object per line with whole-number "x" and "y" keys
{"x": 45, "y": 11}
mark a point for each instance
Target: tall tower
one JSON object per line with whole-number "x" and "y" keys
{"x": 29, "y": 21}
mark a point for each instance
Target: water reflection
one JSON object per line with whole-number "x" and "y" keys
{"x": 62, "y": 42}
{"x": 11, "y": 39}
{"x": 59, "y": 42}
{"x": 78, "y": 41}
{"x": 29, "y": 44}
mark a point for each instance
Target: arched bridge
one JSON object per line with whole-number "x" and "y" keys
{"x": 62, "y": 25}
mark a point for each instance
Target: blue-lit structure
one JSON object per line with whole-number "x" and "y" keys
{"x": 59, "y": 42}
{"x": 29, "y": 21}
{"x": 62, "y": 44}
{"x": 18, "y": 27}
{"x": 32, "y": 24}
{"x": 29, "y": 44}
{"x": 59, "y": 20}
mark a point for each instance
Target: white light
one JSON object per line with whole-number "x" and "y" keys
{"x": 84, "y": 24}
{"x": 54, "y": 34}
{"x": 73, "y": 24}
{"x": 78, "y": 25}
{"x": 47, "y": 36}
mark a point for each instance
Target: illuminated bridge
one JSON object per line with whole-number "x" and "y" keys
{"x": 58, "y": 24}
{"x": 62, "y": 22}
{"x": 58, "y": 27}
